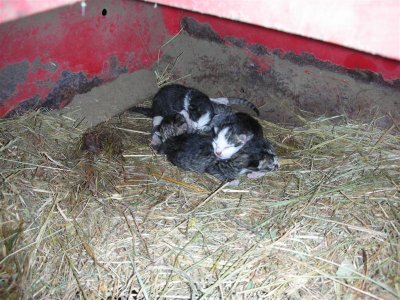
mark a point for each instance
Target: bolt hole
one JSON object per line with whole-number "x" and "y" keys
{"x": 104, "y": 12}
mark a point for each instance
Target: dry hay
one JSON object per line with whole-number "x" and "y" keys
{"x": 95, "y": 225}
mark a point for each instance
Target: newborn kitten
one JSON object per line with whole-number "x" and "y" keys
{"x": 233, "y": 132}
{"x": 252, "y": 160}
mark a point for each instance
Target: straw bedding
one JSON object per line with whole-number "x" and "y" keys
{"x": 99, "y": 216}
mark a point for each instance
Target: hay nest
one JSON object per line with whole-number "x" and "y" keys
{"x": 99, "y": 216}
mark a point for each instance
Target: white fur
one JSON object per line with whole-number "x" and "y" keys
{"x": 185, "y": 114}
{"x": 223, "y": 101}
{"x": 220, "y": 141}
{"x": 222, "y": 149}
{"x": 186, "y": 101}
{"x": 202, "y": 121}
{"x": 157, "y": 120}
{"x": 155, "y": 140}
{"x": 189, "y": 122}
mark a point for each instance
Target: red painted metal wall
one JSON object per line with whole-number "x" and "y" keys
{"x": 41, "y": 51}
{"x": 273, "y": 39}
{"x": 372, "y": 26}
{"x": 46, "y": 58}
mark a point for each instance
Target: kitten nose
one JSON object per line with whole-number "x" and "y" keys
{"x": 276, "y": 164}
{"x": 218, "y": 153}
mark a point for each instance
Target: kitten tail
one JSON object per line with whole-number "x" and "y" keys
{"x": 142, "y": 110}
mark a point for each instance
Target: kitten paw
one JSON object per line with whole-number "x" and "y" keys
{"x": 155, "y": 141}
{"x": 255, "y": 174}
{"x": 235, "y": 182}
{"x": 185, "y": 114}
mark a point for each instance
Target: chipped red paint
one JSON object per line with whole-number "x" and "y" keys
{"x": 259, "y": 61}
{"x": 68, "y": 40}
{"x": 128, "y": 38}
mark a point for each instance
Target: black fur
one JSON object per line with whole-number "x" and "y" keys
{"x": 169, "y": 100}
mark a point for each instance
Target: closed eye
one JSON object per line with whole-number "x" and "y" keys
{"x": 228, "y": 147}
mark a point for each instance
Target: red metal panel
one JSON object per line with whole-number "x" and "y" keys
{"x": 370, "y": 25}
{"x": 40, "y": 53}
{"x": 62, "y": 40}
{"x": 272, "y": 39}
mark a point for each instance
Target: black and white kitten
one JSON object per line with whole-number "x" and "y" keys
{"x": 233, "y": 132}
{"x": 198, "y": 109}
{"x": 254, "y": 159}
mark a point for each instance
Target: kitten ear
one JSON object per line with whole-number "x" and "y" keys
{"x": 185, "y": 126}
{"x": 271, "y": 152}
{"x": 244, "y": 138}
{"x": 179, "y": 118}
{"x": 269, "y": 149}
{"x": 215, "y": 130}
{"x": 193, "y": 107}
